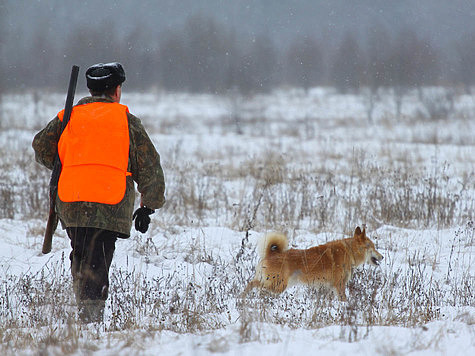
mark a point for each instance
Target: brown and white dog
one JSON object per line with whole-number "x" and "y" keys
{"x": 328, "y": 265}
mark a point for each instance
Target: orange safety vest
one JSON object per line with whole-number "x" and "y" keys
{"x": 94, "y": 153}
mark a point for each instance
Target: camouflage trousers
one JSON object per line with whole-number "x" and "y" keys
{"x": 91, "y": 257}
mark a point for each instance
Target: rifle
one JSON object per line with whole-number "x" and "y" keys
{"x": 53, "y": 183}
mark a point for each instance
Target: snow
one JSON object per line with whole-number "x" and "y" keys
{"x": 189, "y": 262}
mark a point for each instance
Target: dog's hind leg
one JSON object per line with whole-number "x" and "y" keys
{"x": 277, "y": 283}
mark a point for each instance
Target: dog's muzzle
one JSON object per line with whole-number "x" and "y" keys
{"x": 375, "y": 261}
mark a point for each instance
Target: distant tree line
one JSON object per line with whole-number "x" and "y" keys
{"x": 204, "y": 55}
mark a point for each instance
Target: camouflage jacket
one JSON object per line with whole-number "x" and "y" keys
{"x": 144, "y": 164}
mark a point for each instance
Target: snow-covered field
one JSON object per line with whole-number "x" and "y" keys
{"x": 310, "y": 164}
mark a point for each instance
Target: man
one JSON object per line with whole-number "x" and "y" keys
{"x": 103, "y": 150}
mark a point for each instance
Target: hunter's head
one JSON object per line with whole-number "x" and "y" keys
{"x": 106, "y": 80}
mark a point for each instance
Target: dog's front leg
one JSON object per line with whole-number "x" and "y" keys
{"x": 251, "y": 285}
{"x": 340, "y": 286}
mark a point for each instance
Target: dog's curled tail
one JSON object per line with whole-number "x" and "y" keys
{"x": 273, "y": 242}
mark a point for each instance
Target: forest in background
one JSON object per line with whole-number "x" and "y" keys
{"x": 249, "y": 46}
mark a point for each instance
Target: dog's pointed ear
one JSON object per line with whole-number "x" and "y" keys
{"x": 364, "y": 231}
{"x": 357, "y": 231}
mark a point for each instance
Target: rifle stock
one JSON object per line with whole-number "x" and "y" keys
{"x": 50, "y": 229}
{"x": 53, "y": 184}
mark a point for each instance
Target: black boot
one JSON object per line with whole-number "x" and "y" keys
{"x": 91, "y": 311}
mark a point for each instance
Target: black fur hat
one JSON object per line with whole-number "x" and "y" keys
{"x": 101, "y": 77}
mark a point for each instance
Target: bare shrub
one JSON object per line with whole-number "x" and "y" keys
{"x": 278, "y": 194}
{"x": 24, "y": 187}
{"x": 408, "y": 295}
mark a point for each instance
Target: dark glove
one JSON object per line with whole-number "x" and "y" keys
{"x": 142, "y": 218}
